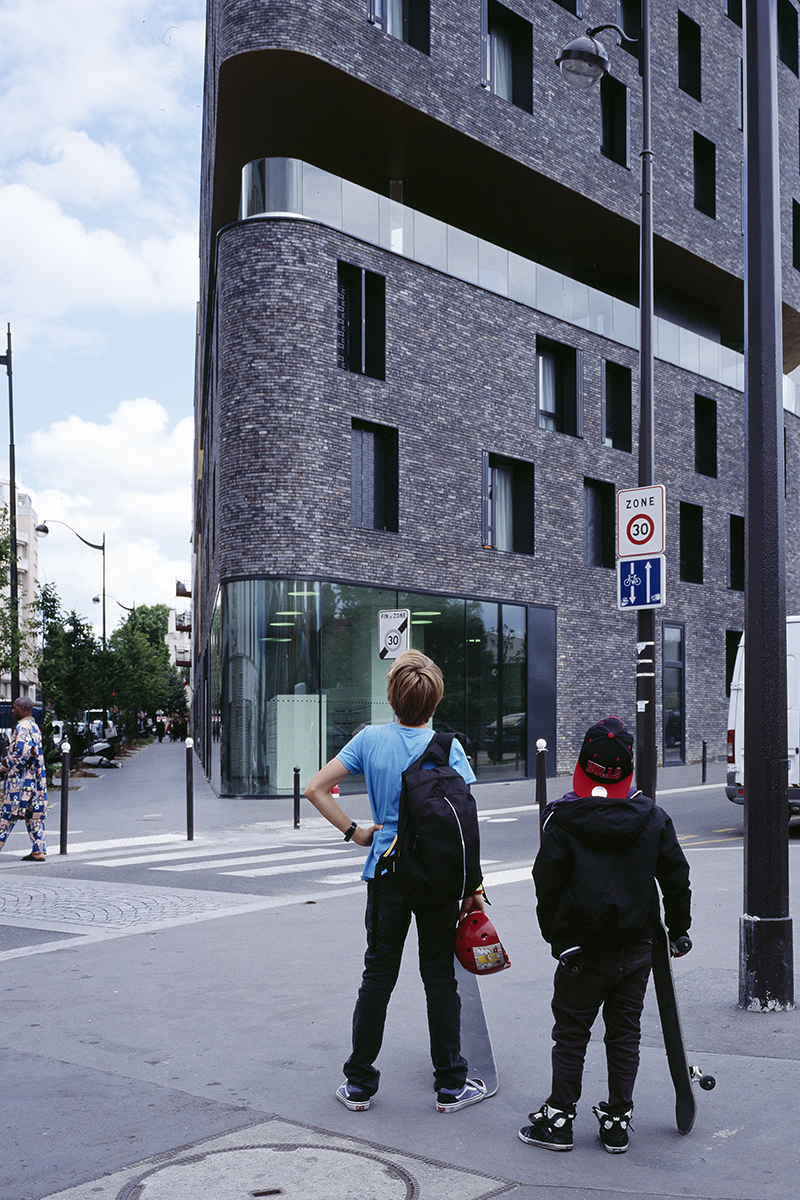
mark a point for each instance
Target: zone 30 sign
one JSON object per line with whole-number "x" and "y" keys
{"x": 640, "y": 521}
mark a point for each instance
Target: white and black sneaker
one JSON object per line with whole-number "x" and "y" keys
{"x": 613, "y": 1128}
{"x": 473, "y": 1091}
{"x": 352, "y": 1098}
{"x": 550, "y": 1128}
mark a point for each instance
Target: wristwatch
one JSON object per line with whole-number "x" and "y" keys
{"x": 350, "y": 831}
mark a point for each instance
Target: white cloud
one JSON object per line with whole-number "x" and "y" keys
{"x": 81, "y": 171}
{"x": 127, "y": 479}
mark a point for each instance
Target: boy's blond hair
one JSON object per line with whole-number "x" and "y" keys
{"x": 415, "y": 687}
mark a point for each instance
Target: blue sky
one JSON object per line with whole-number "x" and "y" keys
{"x": 100, "y": 107}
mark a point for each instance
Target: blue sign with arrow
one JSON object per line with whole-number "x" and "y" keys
{"x": 641, "y": 582}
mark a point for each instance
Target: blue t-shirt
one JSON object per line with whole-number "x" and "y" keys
{"x": 381, "y": 753}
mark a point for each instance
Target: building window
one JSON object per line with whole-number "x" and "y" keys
{"x": 599, "y": 526}
{"x": 361, "y": 321}
{"x": 732, "y": 639}
{"x": 573, "y": 6}
{"x": 629, "y": 19}
{"x": 507, "y": 504}
{"x": 617, "y": 406}
{"x": 407, "y": 20}
{"x": 736, "y": 553}
{"x": 673, "y": 691}
{"x": 688, "y": 56}
{"x": 796, "y": 235}
{"x": 373, "y": 477}
{"x": 615, "y": 120}
{"x": 705, "y": 436}
{"x": 507, "y": 52}
{"x": 691, "y": 543}
{"x": 559, "y": 371}
{"x": 787, "y": 34}
{"x": 733, "y": 10}
{"x": 705, "y": 175}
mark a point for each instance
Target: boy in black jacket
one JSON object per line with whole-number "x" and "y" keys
{"x": 604, "y": 845}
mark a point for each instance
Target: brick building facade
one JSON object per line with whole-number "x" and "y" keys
{"x": 417, "y": 373}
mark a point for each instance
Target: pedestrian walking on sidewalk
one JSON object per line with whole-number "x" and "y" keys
{"x": 25, "y": 781}
{"x": 381, "y": 753}
{"x": 603, "y": 847}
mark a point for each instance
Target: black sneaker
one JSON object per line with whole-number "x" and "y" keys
{"x": 352, "y": 1098}
{"x": 613, "y": 1128}
{"x": 550, "y": 1128}
{"x": 473, "y": 1091}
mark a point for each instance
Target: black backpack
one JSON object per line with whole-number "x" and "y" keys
{"x": 436, "y": 858}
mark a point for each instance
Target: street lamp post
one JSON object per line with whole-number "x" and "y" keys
{"x": 766, "y": 976}
{"x": 13, "y": 574}
{"x": 583, "y": 63}
{"x": 43, "y": 531}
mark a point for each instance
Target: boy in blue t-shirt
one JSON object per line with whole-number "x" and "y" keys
{"x": 381, "y": 753}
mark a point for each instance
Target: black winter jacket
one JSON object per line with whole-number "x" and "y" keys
{"x": 596, "y": 872}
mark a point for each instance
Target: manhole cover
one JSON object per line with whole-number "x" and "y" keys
{"x": 293, "y": 1171}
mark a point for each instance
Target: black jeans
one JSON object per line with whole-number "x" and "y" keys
{"x": 616, "y": 978}
{"x": 435, "y": 933}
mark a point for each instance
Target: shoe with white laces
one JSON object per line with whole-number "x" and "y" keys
{"x": 473, "y": 1091}
{"x": 352, "y": 1098}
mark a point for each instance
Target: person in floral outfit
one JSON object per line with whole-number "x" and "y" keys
{"x": 25, "y": 781}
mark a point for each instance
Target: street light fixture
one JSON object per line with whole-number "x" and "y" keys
{"x": 43, "y": 531}
{"x": 583, "y": 62}
{"x": 96, "y": 600}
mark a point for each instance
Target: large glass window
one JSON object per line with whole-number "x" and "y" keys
{"x": 299, "y": 671}
{"x": 361, "y": 321}
{"x": 374, "y": 500}
{"x": 673, "y": 693}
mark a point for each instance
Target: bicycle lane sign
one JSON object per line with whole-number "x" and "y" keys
{"x": 641, "y": 582}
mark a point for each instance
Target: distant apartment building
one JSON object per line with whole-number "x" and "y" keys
{"x": 27, "y": 576}
{"x": 417, "y": 372}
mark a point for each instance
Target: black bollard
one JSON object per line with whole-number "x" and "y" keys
{"x": 65, "y": 749}
{"x": 189, "y": 790}
{"x": 705, "y": 760}
{"x": 297, "y": 797}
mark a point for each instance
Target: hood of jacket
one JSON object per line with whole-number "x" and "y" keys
{"x": 600, "y": 822}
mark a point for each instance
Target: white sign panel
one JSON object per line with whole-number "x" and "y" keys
{"x": 640, "y": 521}
{"x": 393, "y": 630}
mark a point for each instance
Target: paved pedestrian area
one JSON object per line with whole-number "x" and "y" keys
{"x": 98, "y": 911}
{"x": 283, "y": 1158}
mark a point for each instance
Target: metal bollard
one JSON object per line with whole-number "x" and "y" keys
{"x": 65, "y": 750}
{"x": 297, "y": 797}
{"x": 705, "y": 760}
{"x": 189, "y": 790}
{"x": 541, "y": 778}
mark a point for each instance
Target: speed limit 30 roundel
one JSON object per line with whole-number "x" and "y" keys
{"x": 640, "y": 520}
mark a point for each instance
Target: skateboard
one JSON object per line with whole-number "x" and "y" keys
{"x": 683, "y": 1074}
{"x": 476, "y": 1043}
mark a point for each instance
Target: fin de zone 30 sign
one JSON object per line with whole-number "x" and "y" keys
{"x": 640, "y": 521}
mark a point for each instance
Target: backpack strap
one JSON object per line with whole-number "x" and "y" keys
{"x": 384, "y": 866}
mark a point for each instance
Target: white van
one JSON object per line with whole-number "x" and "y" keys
{"x": 734, "y": 788}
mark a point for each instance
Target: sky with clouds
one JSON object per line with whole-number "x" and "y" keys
{"x": 100, "y": 108}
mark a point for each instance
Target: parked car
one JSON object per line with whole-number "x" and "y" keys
{"x": 513, "y": 737}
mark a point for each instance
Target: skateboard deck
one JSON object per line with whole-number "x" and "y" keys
{"x": 682, "y": 1073}
{"x": 476, "y": 1042}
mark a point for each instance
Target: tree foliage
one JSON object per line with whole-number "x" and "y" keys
{"x": 141, "y": 675}
{"x": 71, "y": 667}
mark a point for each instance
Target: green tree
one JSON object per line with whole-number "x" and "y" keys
{"x": 141, "y": 677}
{"x": 70, "y": 669}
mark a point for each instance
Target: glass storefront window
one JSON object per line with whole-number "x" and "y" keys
{"x": 295, "y": 671}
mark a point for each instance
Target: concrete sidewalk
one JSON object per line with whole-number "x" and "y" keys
{"x": 200, "y": 1059}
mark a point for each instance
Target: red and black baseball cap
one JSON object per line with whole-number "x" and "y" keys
{"x": 605, "y": 760}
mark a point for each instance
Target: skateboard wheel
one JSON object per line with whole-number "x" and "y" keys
{"x": 707, "y": 1082}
